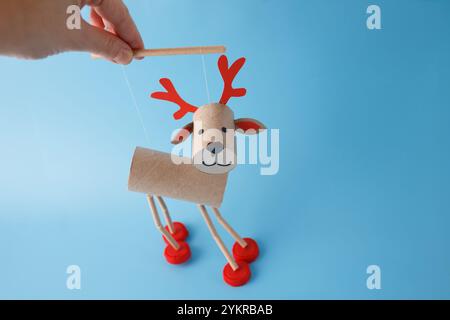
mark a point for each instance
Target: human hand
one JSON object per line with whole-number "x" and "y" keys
{"x": 37, "y": 29}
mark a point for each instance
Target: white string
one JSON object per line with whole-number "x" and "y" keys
{"x": 206, "y": 79}
{"x": 136, "y": 106}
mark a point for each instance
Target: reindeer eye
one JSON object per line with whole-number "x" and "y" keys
{"x": 201, "y": 131}
{"x": 224, "y": 129}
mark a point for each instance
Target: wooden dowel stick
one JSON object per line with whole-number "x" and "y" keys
{"x": 166, "y": 213}
{"x": 217, "y": 238}
{"x": 230, "y": 230}
{"x": 178, "y": 51}
{"x": 158, "y": 224}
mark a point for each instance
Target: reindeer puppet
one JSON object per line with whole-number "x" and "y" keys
{"x": 203, "y": 179}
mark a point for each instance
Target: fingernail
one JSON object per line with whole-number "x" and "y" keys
{"x": 124, "y": 57}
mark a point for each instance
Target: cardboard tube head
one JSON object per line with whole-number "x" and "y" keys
{"x": 213, "y": 140}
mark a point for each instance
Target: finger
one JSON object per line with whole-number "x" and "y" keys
{"x": 96, "y": 20}
{"x": 116, "y": 15}
{"x": 105, "y": 44}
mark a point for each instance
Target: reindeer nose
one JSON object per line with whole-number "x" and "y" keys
{"x": 214, "y": 147}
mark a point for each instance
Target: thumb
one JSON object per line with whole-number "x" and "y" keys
{"x": 106, "y": 44}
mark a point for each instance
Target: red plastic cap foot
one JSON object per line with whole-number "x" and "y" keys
{"x": 177, "y": 256}
{"x": 247, "y": 254}
{"x": 238, "y": 277}
{"x": 180, "y": 234}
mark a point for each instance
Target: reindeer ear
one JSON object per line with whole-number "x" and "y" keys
{"x": 249, "y": 126}
{"x": 183, "y": 133}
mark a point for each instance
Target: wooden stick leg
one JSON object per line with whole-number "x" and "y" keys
{"x": 217, "y": 238}
{"x": 166, "y": 213}
{"x": 158, "y": 224}
{"x": 229, "y": 229}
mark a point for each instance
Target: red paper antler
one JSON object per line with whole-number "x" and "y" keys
{"x": 172, "y": 95}
{"x": 228, "y": 75}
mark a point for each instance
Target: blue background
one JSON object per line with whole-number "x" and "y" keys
{"x": 364, "y": 162}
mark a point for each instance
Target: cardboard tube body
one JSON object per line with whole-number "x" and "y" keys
{"x": 154, "y": 172}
